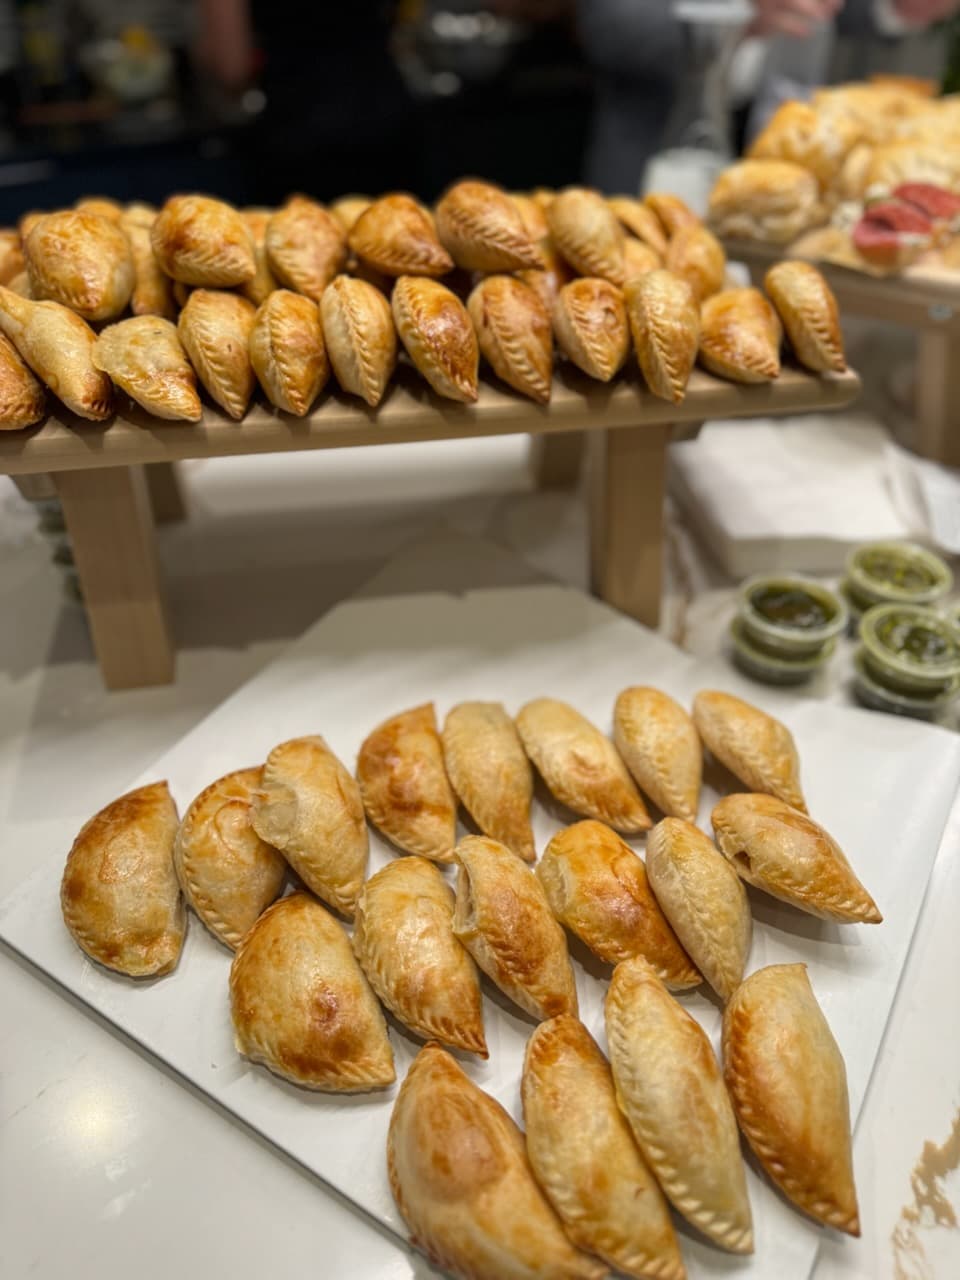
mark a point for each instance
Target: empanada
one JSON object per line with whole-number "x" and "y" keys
{"x": 696, "y": 255}
{"x": 755, "y": 747}
{"x": 436, "y": 329}
{"x": 514, "y": 333}
{"x": 460, "y": 1176}
{"x": 360, "y": 335}
{"x": 22, "y": 398}
{"x": 82, "y": 261}
{"x": 660, "y": 746}
{"x": 119, "y": 895}
{"x": 665, "y": 323}
{"x": 669, "y": 1087}
{"x": 702, "y": 897}
{"x": 301, "y": 1005}
{"x": 671, "y": 212}
{"x": 306, "y": 246}
{"x": 215, "y": 329}
{"x": 588, "y": 234}
{"x": 202, "y": 241}
{"x": 503, "y": 919}
{"x": 259, "y": 288}
{"x": 144, "y": 357}
{"x": 287, "y": 351}
{"x": 309, "y": 808}
{"x": 490, "y": 772}
{"x": 740, "y": 336}
{"x": 227, "y": 873}
{"x": 597, "y": 886}
{"x": 482, "y": 229}
{"x": 788, "y": 1083}
{"x": 585, "y": 1158}
{"x": 580, "y": 766}
{"x": 404, "y": 940}
{"x": 397, "y": 236}
{"x": 590, "y": 321}
{"x": 638, "y": 258}
{"x": 547, "y": 281}
{"x": 58, "y": 346}
{"x": 404, "y": 785}
{"x": 640, "y": 221}
{"x": 348, "y": 209}
{"x": 152, "y": 288}
{"x": 532, "y": 215}
{"x": 12, "y": 261}
{"x": 808, "y": 309}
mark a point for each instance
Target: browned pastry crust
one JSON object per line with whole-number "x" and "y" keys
{"x": 360, "y": 335}
{"x": 103, "y": 206}
{"x": 82, "y": 261}
{"x": 482, "y": 229}
{"x": 22, "y": 398}
{"x": 672, "y": 212}
{"x": 12, "y": 261}
{"x": 396, "y": 236}
{"x": 144, "y": 357}
{"x": 638, "y": 258}
{"x": 264, "y": 281}
{"x": 532, "y": 214}
{"x": 438, "y": 334}
{"x": 514, "y": 333}
{"x": 152, "y": 289}
{"x": 740, "y": 336}
{"x": 768, "y": 200}
{"x": 590, "y": 321}
{"x": 808, "y": 309}
{"x": 215, "y": 328}
{"x": 665, "y": 323}
{"x": 348, "y": 209}
{"x": 306, "y": 246}
{"x": 696, "y": 255}
{"x": 287, "y": 351}
{"x": 201, "y": 241}
{"x": 550, "y": 279}
{"x": 640, "y": 221}
{"x": 660, "y": 746}
{"x": 588, "y": 234}
{"x": 799, "y": 133}
{"x": 754, "y": 746}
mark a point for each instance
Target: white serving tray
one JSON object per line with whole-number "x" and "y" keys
{"x": 882, "y": 786}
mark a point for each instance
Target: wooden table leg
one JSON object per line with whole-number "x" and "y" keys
{"x": 938, "y": 396}
{"x": 166, "y": 493}
{"x": 556, "y": 459}
{"x": 107, "y": 512}
{"x": 627, "y": 480}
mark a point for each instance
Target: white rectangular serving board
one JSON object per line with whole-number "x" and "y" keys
{"x": 882, "y": 786}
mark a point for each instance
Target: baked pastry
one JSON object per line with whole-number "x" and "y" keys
{"x": 638, "y": 258}
{"x": 672, "y": 213}
{"x": 660, "y": 746}
{"x": 287, "y": 351}
{"x": 755, "y": 747}
{"x": 532, "y": 215}
{"x": 801, "y": 134}
{"x": 768, "y": 200}
{"x": 590, "y": 321}
{"x": 704, "y": 899}
{"x": 669, "y": 1087}
{"x": 12, "y": 261}
{"x": 152, "y": 292}
{"x": 348, "y": 209}
{"x": 788, "y": 855}
{"x": 514, "y": 334}
{"x": 139, "y": 211}
{"x": 119, "y": 895}
{"x": 145, "y": 358}
{"x": 548, "y": 280}
{"x": 808, "y": 309}
{"x": 360, "y": 335}
{"x": 227, "y": 873}
{"x": 588, "y": 234}
{"x": 740, "y": 336}
{"x": 215, "y": 329}
{"x": 404, "y": 784}
{"x": 490, "y": 773}
{"x": 436, "y": 329}
{"x": 665, "y": 324}
{"x": 462, "y": 1182}
{"x": 309, "y": 808}
{"x": 103, "y": 206}
{"x": 27, "y": 221}
{"x": 301, "y": 1005}
{"x": 263, "y": 283}
{"x": 22, "y": 398}
{"x": 306, "y": 246}
{"x": 404, "y": 940}
{"x": 58, "y": 345}
{"x": 202, "y": 241}
{"x": 82, "y": 261}
{"x": 584, "y": 1157}
{"x": 20, "y": 284}
{"x": 396, "y": 235}
{"x": 482, "y": 229}
{"x": 696, "y": 255}
{"x": 597, "y": 886}
{"x": 641, "y": 221}
{"x": 503, "y": 919}
{"x": 788, "y": 1083}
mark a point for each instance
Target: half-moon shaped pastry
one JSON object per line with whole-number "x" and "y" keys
{"x": 788, "y": 1083}
{"x": 532, "y": 215}
{"x": 482, "y": 229}
{"x": 309, "y": 808}
{"x": 22, "y": 398}
{"x": 58, "y": 347}
{"x": 660, "y": 746}
{"x": 740, "y": 336}
{"x": 590, "y": 321}
{"x": 263, "y": 283}
{"x": 12, "y": 261}
{"x": 348, "y": 209}
{"x": 791, "y": 857}
{"x": 152, "y": 292}
{"x": 665, "y": 323}
{"x": 808, "y": 309}
{"x": 202, "y": 241}
{"x": 404, "y": 785}
{"x": 81, "y": 260}
{"x": 580, "y": 766}
{"x": 547, "y": 281}
{"x": 119, "y": 895}
{"x": 306, "y": 246}
{"x": 585, "y": 1159}
{"x": 287, "y": 351}
{"x": 301, "y": 1005}
{"x": 360, "y": 335}
{"x": 404, "y": 940}
{"x": 460, "y": 1176}
{"x": 640, "y": 221}
{"x": 670, "y": 1089}
{"x": 227, "y": 873}
{"x": 144, "y": 357}
{"x": 588, "y": 234}
{"x": 638, "y": 258}
{"x": 703, "y": 898}
{"x": 215, "y": 329}
{"x": 503, "y": 919}
{"x": 755, "y": 747}
{"x": 597, "y": 886}
{"x": 696, "y": 255}
{"x": 397, "y": 236}
{"x": 672, "y": 213}
{"x": 436, "y": 329}
{"x": 514, "y": 332}
{"x": 490, "y": 772}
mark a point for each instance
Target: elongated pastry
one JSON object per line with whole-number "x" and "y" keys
{"x": 671, "y": 212}
{"x": 548, "y": 280}
{"x": 144, "y": 357}
{"x": 404, "y": 940}
{"x": 597, "y": 886}
{"x": 301, "y": 1005}
{"x": 489, "y": 770}
{"x": 259, "y": 288}
{"x": 58, "y": 347}
{"x": 740, "y": 336}
{"x": 360, "y": 335}
{"x": 584, "y": 1157}
{"x": 152, "y": 288}
{"x": 309, "y": 808}
{"x": 22, "y": 398}
{"x": 460, "y": 1176}
{"x": 82, "y": 261}
{"x": 754, "y": 746}
{"x": 696, "y": 255}
{"x": 808, "y": 309}
{"x": 532, "y": 215}
{"x": 202, "y": 241}
{"x": 660, "y": 746}
{"x": 788, "y": 1083}
{"x": 348, "y": 209}
{"x": 638, "y": 258}
{"x": 215, "y": 329}
{"x": 670, "y": 1089}
{"x": 397, "y": 236}
{"x": 640, "y": 221}
{"x": 703, "y": 898}
{"x": 436, "y": 329}
{"x": 119, "y": 894}
{"x": 482, "y": 229}
{"x": 287, "y": 351}
{"x": 665, "y": 323}
{"x": 503, "y": 919}
{"x": 12, "y": 261}
{"x": 306, "y": 246}
{"x": 514, "y": 333}
{"x": 404, "y": 785}
{"x": 773, "y": 201}
{"x": 588, "y": 234}
{"x": 590, "y": 321}
{"x": 227, "y": 873}
{"x": 580, "y": 766}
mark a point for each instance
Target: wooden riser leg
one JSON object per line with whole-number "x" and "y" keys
{"x": 108, "y": 517}
{"x": 938, "y": 396}
{"x": 556, "y": 459}
{"x": 166, "y": 493}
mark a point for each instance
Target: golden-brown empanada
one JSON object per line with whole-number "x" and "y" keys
{"x": 532, "y": 215}
{"x": 660, "y": 746}
{"x": 306, "y": 246}
{"x": 101, "y": 205}
{"x": 152, "y": 288}
{"x": 590, "y": 321}
{"x": 755, "y": 747}
{"x": 119, "y": 895}
{"x": 360, "y": 335}
{"x": 665, "y": 323}
{"x": 548, "y": 280}
{"x": 808, "y": 309}
{"x": 259, "y": 288}
{"x": 772, "y": 201}
{"x": 514, "y": 332}
{"x": 82, "y": 261}
{"x": 12, "y": 261}
{"x": 227, "y": 873}
{"x": 301, "y": 1005}
{"x": 696, "y": 255}
{"x": 504, "y": 920}
{"x": 287, "y": 351}
{"x": 404, "y": 940}
{"x": 702, "y": 897}
{"x": 202, "y": 241}
{"x": 215, "y": 329}
{"x": 58, "y": 346}
{"x": 397, "y": 236}
{"x": 404, "y": 785}
{"x": 460, "y": 1176}
{"x": 490, "y": 772}
{"x": 638, "y": 258}
{"x": 740, "y": 336}
{"x": 670, "y": 1089}
{"x": 144, "y": 357}
{"x": 671, "y": 212}
{"x": 309, "y": 808}
{"x": 347, "y": 209}
{"x": 580, "y": 766}
{"x": 788, "y": 1082}
{"x": 482, "y": 229}
{"x": 640, "y": 221}
{"x": 436, "y": 329}
{"x": 588, "y": 234}
{"x": 22, "y": 398}
{"x": 585, "y": 1159}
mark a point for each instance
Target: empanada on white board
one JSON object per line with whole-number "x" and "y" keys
{"x": 409, "y": 642}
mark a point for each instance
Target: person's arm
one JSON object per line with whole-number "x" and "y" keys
{"x": 225, "y": 45}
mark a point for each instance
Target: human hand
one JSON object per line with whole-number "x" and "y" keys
{"x": 799, "y": 17}
{"x": 923, "y": 13}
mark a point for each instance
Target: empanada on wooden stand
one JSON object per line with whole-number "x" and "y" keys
{"x": 264, "y": 281}
{"x": 696, "y": 255}
{"x": 82, "y": 261}
{"x": 152, "y": 288}
{"x": 740, "y": 336}
{"x": 754, "y": 746}
{"x": 640, "y": 221}
{"x": 588, "y": 234}
{"x": 397, "y": 237}
{"x": 306, "y": 246}
{"x": 288, "y": 352}
{"x": 22, "y": 398}
{"x": 590, "y": 321}
{"x": 215, "y": 329}
{"x": 436, "y": 329}
{"x": 490, "y": 772}
{"x": 205, "y": 242}
{"x": 482, "y": 229}
{"x": 808, "y": 309}
{"x": 145, "y": 358}
{"x": 515, "y": 335}
{"x": 665, "y": 324}
{"x": 360, "y": 336}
